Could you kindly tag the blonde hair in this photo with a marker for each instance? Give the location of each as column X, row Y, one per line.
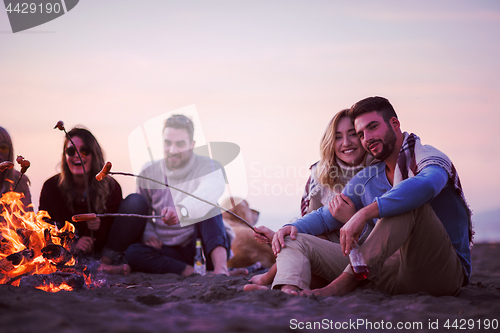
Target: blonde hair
column 328, row 169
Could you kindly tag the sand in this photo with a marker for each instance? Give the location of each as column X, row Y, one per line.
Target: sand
column 170, row 303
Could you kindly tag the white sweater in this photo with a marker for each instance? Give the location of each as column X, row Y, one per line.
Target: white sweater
column 201, row 176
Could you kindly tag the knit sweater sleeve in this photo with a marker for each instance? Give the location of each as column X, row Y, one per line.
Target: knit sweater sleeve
column 413, row 192
column 211, row 186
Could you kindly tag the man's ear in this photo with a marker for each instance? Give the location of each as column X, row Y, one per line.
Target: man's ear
column 395, row 123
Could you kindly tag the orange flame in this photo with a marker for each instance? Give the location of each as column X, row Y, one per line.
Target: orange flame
column 52, row 288
column 24, row 234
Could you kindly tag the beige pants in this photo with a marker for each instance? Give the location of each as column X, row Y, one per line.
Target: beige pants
column 406, row 254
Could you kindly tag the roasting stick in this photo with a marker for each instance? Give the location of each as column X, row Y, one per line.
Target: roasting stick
column 106, row 170
column 92, row 216
column 60, row 126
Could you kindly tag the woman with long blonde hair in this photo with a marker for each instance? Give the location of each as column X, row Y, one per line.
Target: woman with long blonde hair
column 341, row 157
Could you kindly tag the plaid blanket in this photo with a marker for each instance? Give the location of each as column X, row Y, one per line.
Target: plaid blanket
column 414, row 156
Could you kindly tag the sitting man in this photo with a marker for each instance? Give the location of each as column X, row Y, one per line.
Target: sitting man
column 169, row 243
column 413, row 197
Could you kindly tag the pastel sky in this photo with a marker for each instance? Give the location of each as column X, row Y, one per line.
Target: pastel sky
column 266, row 75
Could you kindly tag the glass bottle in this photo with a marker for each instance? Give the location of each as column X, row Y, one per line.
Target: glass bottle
column 200, row 266
column 358, row 263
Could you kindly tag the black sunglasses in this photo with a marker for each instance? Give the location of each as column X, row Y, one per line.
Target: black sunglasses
column 84, row 151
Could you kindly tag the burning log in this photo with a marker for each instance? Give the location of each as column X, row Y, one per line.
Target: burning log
column 5, row 266
column 56, row 254
column 17, row 258
column 29, row 246
column 65, row 281
column 4, row 244
column 24, row 235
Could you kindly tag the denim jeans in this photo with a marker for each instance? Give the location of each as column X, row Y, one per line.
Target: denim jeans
column 174, row 259
column 126, row 230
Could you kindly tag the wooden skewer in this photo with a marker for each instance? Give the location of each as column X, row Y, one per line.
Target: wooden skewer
column 92, row 216
column 106, row 170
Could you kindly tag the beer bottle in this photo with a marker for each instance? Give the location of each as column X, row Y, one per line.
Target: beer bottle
column 200, row 265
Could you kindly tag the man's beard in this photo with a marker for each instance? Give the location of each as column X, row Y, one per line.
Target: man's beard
column 388, row 144
column 183, row 159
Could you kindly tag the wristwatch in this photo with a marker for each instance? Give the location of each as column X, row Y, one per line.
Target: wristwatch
column 184, row 211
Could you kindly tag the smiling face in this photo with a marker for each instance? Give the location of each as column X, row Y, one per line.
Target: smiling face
column 347, row 145
column 72, row 159
column 377, row 137
column 177, row 146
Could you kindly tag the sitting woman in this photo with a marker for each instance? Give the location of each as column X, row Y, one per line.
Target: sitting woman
column 10, row 177
column 341, row 157
column 65, row 195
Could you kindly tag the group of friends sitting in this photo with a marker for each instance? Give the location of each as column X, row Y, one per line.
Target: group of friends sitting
column 375, row 188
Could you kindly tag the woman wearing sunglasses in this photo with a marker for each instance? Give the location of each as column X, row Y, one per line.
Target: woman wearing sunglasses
column 9, row 177
column 65, row 194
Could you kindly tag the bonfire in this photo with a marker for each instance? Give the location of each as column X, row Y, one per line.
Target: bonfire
column 36, row 253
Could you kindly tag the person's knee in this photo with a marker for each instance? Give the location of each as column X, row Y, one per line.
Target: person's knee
column 134, row 203
column 299, row 239
column 134, row 252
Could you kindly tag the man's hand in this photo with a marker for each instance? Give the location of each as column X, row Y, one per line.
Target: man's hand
column 84, row 244
column 342, row 208
column 351, row 231
column 94, row 224
column 279, row 237
column 154, row 242
column 268, row 233
column 170, row 216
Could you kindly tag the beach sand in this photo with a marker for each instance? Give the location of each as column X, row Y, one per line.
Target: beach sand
column 170, row 303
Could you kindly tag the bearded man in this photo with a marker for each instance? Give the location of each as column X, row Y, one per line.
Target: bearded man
column 169, row 243
column 414, row 202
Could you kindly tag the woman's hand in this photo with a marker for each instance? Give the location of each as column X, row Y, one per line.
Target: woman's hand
column 341, row 207
column 94, row 224
column 279, row 237
column 268, row 235
column 84, row 244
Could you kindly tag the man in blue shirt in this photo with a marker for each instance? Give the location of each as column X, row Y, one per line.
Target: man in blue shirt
column 413, row 201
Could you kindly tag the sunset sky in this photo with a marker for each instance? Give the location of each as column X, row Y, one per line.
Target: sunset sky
column 265, row 75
